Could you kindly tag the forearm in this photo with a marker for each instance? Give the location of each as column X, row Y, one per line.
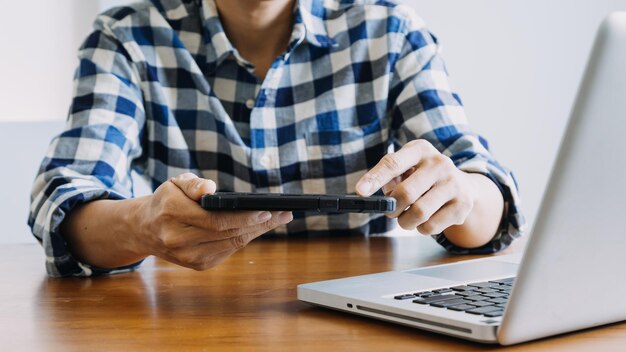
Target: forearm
column 483, row 221
column 102, row 233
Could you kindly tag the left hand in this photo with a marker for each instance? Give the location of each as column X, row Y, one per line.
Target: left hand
column 432, row 194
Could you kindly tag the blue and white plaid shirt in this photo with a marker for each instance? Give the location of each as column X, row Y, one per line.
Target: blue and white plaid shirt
column 161, row 90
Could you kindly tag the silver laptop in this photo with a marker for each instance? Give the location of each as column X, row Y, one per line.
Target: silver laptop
column 572, row 275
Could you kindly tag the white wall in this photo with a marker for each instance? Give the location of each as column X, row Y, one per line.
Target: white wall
column 39, row 39
column 516, row 64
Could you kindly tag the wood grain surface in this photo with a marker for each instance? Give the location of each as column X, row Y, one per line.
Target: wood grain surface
column 247, row 303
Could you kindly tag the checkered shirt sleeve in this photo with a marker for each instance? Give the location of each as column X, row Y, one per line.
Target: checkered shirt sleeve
column 427, row 108
column 92, row 158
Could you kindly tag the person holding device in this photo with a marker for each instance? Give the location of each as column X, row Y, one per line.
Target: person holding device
column 278, row 96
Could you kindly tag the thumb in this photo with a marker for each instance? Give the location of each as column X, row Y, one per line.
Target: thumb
column 193, row 186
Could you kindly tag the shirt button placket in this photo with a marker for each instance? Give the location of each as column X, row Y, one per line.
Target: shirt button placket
column 261, row 159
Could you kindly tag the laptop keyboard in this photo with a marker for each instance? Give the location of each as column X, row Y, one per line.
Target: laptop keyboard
column 481, row 298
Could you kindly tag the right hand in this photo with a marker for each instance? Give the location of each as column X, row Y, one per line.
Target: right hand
column 172, row 225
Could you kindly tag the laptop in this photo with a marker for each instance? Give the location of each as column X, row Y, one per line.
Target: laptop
column 572, row 274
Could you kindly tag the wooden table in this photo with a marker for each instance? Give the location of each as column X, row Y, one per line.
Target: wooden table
column 247, row 303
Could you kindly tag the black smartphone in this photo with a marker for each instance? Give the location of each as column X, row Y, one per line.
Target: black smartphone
column 322, row 203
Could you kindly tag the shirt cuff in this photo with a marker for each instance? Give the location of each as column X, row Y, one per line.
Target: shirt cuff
column 59, row 260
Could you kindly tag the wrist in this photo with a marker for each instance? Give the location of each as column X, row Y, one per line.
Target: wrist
column 131, row 228
column 481, row 225
column 476, row 184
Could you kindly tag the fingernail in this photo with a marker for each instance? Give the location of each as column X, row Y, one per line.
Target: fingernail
column 264, row 216
column 285, row 217
column 364, row 187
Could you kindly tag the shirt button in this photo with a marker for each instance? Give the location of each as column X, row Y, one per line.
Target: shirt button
column 265, row 161
column 250, row 103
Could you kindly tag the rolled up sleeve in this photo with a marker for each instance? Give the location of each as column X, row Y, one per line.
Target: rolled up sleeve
column 92, row 159
column 425, row 107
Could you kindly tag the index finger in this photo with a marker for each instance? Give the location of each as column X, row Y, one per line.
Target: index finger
column 191, row 213
column 389, row 167
column 226, row 220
